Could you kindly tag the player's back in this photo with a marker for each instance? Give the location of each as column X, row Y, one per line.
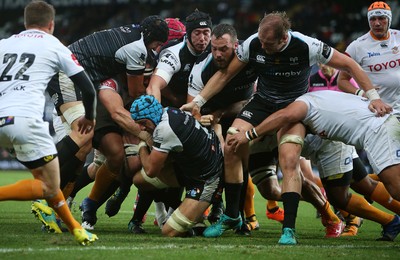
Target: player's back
column 29, row 60
column 97, row 51
column 340, row 116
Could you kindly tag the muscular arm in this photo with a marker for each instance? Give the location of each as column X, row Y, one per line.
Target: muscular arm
column 343, row 62
column 156, row 84
column 293, row 113
column 114, row 105
column 152, row 161
column 344, row 83
column 217, row 82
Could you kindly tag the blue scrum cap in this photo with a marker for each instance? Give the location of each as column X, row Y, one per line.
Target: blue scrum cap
column 146, row 107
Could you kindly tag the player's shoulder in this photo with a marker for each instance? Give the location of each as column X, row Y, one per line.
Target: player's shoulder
column 302, row 38
column 174, row 47
column 366, row 37
column 394, row 33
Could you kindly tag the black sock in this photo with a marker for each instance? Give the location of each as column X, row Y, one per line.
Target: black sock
column 172, row 197
column 69, row 170
column 81, row 181
column 243, row 194
column 66, row 149
column 125, row 183
column 290, row 205
column 232, row 198
column 109, row 192
column 143, row 204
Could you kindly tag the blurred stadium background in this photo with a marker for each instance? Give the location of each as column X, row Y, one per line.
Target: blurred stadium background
column 336, row 22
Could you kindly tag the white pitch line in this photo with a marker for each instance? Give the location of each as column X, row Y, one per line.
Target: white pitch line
column 173, row 246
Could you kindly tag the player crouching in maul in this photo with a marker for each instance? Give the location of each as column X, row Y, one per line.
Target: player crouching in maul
column 183, row 153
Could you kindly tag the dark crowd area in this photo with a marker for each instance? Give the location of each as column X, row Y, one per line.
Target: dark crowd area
column 335, row 22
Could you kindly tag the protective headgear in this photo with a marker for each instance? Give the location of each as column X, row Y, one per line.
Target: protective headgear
column 176, row 28
column 380, row 9
column 154, row 28
column 197, row 20
column 146, row 107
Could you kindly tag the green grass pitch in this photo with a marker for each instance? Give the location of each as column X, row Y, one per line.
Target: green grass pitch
column 21, row 237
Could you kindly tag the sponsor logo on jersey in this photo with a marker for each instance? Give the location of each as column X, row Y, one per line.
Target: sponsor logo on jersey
column 372, row 54
column 9, row 120
column 54, row 98
column 29, row 35
column 395, row 50
column 385, row 65
column 348, row 160
column 260, row 59
column 188, row 67
column 166, row 61
column 110, row 83
column 19, row 88
column 285, row 73
column 326, row 50
column 142, row 57
column 125, row 29
column 239, row 51
column 48, row 158
column 323, row 134
column 247, row 114
column 294, row 60
column 75, row 59
column 193, row 192
column 317, row 84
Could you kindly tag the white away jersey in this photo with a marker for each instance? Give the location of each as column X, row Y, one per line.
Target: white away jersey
column 340, row 116
column 381, row 61
column 28, row 60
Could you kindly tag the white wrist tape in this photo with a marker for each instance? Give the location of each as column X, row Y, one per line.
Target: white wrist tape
column 232, row 130
column 199, row 100
column 359, row 92
column 131, row 149
column 141, row 144
column 372, row 94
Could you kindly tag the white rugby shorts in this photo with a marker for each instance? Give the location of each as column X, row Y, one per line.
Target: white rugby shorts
column 29, row 137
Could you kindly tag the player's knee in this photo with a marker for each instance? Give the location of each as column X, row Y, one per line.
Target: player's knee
column 115, row 161
column 50, row 189
column 291, row 138
column 179, row 223
column 265, row 173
